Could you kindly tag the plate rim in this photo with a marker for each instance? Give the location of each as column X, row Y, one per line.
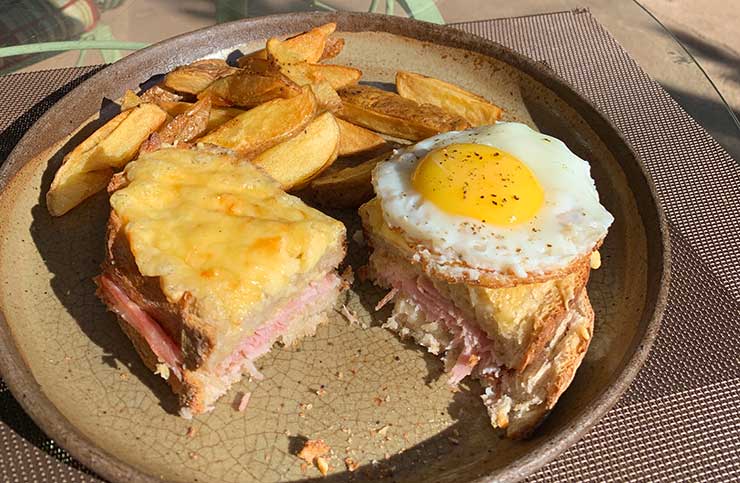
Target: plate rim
column 17, row 374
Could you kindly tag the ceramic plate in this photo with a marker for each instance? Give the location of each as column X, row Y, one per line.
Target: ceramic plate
column 370, row 396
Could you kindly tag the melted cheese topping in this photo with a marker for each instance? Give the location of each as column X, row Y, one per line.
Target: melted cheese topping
column 224, row 232
column 505, row 310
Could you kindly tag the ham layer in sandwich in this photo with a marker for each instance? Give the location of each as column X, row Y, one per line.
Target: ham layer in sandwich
column 209, row 264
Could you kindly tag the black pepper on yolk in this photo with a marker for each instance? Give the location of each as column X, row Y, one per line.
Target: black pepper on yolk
column 479, row 181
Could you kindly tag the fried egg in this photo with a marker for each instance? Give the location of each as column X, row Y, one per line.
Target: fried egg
column 503, row 198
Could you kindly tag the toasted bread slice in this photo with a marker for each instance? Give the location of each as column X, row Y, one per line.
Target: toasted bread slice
column 520, row 320
column 453, row 272
column 523, row 342
column 204, row 290
column 519, row 401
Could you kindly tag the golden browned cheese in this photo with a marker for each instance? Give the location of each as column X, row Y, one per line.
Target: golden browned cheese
column 372, row 216
column 509, row 307
column 222, row 231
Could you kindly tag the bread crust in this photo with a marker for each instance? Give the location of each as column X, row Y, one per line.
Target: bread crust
column 416, row 252
column 565, row 357
column 190, row 390
column 195, row 337
column 545, row 327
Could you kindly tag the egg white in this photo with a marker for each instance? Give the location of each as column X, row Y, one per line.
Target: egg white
column 569, row 224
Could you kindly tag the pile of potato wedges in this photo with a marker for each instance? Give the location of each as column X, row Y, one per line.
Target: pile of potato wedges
column 280, row 108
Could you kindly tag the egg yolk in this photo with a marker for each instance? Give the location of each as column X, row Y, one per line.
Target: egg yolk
column 479, row 181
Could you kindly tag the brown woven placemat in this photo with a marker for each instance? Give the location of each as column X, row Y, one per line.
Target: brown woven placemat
column 680, row 419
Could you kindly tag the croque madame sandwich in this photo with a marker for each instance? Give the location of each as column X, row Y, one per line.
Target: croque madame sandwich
column 485, row 239
column 209, row 263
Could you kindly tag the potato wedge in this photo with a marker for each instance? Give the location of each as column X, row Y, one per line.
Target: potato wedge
column 246, row 89
column 391, row 114
column 296, row 161
column 338, row 76
column 355, row 139
column 256, row 65
column 188, row 125
column 323, row 79
column 326, row 96
column 130, row 100
column 218, row 115
column 266, row 125
column 76, row 188
column 194, row 78
column 305, row 47
column 332, row 48
column 184, row 127
column 348, row 187
column 453, row 99
column 157, row 94
column 110, row 147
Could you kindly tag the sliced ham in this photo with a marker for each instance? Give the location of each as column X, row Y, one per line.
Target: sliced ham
column 243, row 357
column 243, row 401
column 161, row 344
column 471, row 344
column 264, row 336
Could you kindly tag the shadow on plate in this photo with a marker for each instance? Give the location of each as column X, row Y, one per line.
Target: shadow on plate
column 72, row 247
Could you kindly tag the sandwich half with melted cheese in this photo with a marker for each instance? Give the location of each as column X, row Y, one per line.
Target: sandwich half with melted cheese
column 209, row 263
column 485, row 239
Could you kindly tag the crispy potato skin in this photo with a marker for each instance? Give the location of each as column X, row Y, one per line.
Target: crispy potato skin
column 157, row 94
column 338, row 76
column 449, row 97
column 196, row 77
column 184, row 127
column 266, row 125
column 394, row 115
column 296, row 161
column 217, row 117
column 346, row 188
column 246, row 89
column 332, row 48
column 305, row 47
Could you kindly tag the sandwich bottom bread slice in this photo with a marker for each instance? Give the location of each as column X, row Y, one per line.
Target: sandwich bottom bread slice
column 209, row 263
column 523, row 343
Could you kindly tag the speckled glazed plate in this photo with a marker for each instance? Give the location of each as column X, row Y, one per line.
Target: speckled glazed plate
column 382, row 402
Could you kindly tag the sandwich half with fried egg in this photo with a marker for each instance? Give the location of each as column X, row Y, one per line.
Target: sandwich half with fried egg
column 209, row 263
column 485, row 239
